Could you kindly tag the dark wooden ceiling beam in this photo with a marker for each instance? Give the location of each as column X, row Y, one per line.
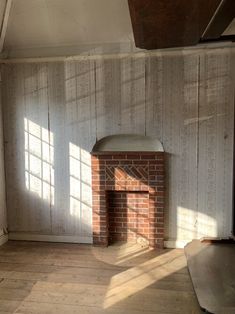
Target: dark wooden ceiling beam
column 228, row 38
column 170, row 23
column 221, row 20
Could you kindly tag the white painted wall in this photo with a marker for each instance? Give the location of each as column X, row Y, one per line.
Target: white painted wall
column 3, row 213
column 184, row 99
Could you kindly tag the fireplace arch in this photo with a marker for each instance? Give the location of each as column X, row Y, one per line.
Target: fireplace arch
column 128, row 142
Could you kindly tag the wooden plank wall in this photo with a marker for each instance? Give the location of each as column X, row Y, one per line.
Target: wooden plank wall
column 3, row 213
column 184, row 99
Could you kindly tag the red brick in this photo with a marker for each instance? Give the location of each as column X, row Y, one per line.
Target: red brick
column 147, row 156
column 140, row 162
column 119, row 156
column 133, row 157
column 106, row 157
column 112, row 162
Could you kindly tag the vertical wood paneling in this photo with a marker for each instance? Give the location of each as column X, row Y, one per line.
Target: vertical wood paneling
column 216, row 109
column 186, row 171
column 25, row 105
column 3, row 213
column 46, row 153
column 13, row 99
column 184, row 100
column 9, row 138
column 171, row 101
column 108, row 96
column 7, row 117
column 154, row 96
column 34, row 117
column 81, row 126
column 60, row 217
column 173, row 81
column 133, row 109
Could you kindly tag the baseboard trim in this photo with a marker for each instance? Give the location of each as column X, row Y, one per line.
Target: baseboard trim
column 21, row 236
column 3, row 239
column 176, row 244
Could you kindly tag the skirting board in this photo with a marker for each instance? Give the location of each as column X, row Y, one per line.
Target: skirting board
column 21, row 236
column 3, row 239
column 176, row 244
column 49, row 238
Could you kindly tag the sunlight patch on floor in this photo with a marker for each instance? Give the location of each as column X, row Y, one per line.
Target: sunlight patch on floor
column 135, row 279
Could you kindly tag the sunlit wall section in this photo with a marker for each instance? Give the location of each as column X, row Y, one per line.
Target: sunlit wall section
column 39, row 161
column 80, row 127
column 75, row 180
column 191, row 227
column 80, row 187
column 186, row 226
column 206, row 225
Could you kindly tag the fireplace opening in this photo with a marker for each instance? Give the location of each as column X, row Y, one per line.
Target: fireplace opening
column 128, row 216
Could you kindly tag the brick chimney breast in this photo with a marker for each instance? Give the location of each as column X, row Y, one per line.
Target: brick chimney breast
column 128, row 197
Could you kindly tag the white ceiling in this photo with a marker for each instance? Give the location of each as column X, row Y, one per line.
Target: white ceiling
column 67, row 27
column 57, row 23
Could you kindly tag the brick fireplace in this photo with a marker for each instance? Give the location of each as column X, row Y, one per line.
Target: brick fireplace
column 128, row 197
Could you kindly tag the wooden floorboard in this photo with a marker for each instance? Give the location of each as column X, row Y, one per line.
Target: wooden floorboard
column 72, row 278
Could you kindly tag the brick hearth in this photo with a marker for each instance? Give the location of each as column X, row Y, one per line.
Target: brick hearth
column 128, row 197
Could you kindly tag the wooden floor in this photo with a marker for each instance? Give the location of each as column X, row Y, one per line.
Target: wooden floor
column 70, row 278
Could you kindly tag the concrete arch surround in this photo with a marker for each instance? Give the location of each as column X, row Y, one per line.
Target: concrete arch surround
column 128, row 142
